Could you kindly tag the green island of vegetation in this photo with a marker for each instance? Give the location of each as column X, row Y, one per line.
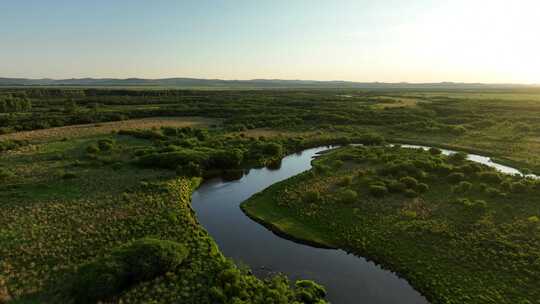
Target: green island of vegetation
column 459, row 231
column 95, row 187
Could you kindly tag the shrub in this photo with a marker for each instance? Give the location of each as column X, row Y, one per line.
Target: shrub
column 5, row 174
column 370, row 139
column 312, row 196
column 138, row 261
column 69, row 175
column 396, row 186
column 457, row 157
column 410, row 193
column 337, row 164
column 345, row 181
column 434, row 151
column 422, row 187
column 309, row 291
column 348, row 196
column 411, row 182
column 462, row 187
column 518, row 187
column 490, row 177
column 226, row 159
column 93, row 148
column 105, row 144
column 169, row 160
column 456, row 177
column 493, row 192
column 273, row 149
column 169, row 131
column 378, row 190
column 533, row 219
column 320, row 168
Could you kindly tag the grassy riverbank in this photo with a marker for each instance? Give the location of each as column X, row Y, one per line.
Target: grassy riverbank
column 458, row 231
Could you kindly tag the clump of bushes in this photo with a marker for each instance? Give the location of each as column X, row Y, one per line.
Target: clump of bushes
column 378, row 190
column 409, row 181
column 348, row 196
column 477, row 205
column 396, row 186
column 345, row 181
column 312, row 196
column 5, row 174
column 456, row 177
column 462, row 187
column 138, row 261
column 410, row 193
column 422, row 188
column 105, row 144
column 171, row 160
column 457, row 157
column 434, row 151
column 490, row 177
column 309, row 291
column 189, row 169
column 92, row 149
column 69, row 175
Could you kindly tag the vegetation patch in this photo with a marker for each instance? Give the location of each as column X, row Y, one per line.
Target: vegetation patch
column 453, row 228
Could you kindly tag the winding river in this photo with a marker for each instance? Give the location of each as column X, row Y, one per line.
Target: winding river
column 347, row 278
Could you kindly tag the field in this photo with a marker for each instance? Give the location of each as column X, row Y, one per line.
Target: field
column 84, row 130
column 88, row 174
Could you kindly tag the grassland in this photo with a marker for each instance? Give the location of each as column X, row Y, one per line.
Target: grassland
column 458, row 231
column 65, row 205
column 86, row 171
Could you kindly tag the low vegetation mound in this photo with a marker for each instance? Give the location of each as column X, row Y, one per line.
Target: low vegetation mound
column 130, row 264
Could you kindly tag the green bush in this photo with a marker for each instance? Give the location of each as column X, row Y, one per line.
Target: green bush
column 138, row 261
column 312, row 196
column 490, row 177
column 434, row 151
column 456, row 177
column 273, row 149
column 518, row 187
column 457, row 157
column 170, row 160
column 396, row 186
column 5, row 174
column 411, row 182
column 422, row 188
column 462, row 187
column 378, row 190
column 69, row 175
column 92, row 149
column 309, row 291
column 348, row 196
column 189, row 169
column 105, row 144
column 410, row 193
column 345, row 181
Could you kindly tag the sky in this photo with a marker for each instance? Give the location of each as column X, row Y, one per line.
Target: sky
column 490, row 41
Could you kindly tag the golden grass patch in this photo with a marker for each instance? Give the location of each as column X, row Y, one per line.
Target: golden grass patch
column 108, row 127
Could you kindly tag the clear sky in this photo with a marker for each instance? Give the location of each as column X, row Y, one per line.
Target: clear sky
column 358, row 40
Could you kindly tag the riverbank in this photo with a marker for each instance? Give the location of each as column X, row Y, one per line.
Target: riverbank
column 437, row 240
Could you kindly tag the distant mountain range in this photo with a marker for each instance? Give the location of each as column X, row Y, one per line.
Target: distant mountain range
column 244, row 84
